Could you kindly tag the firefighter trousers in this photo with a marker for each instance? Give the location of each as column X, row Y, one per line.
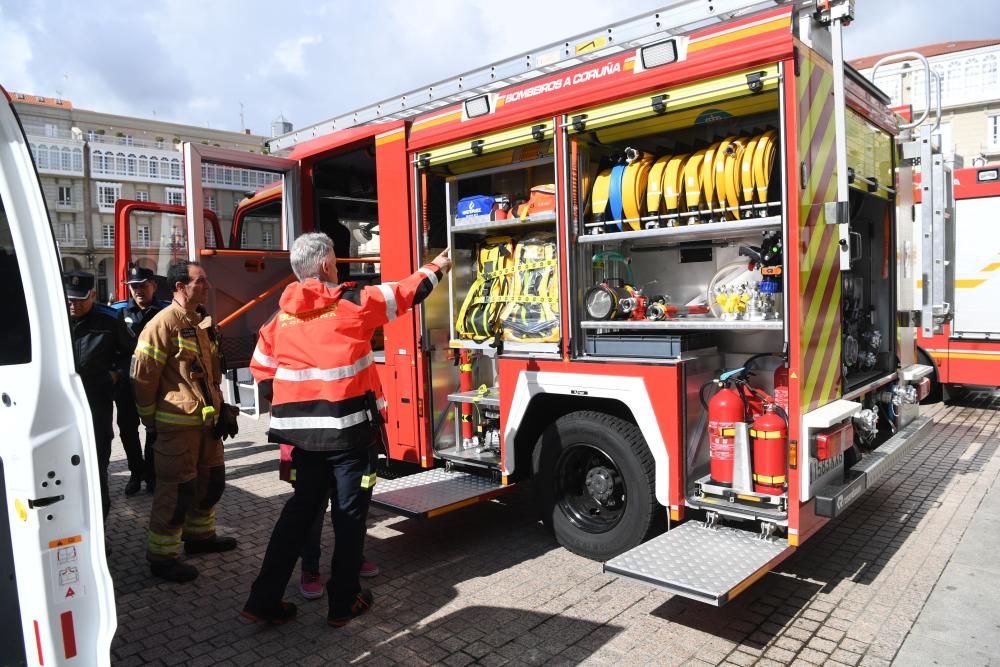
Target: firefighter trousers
column 346, row 477
column 190, row 479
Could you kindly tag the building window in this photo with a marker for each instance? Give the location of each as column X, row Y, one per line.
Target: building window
column 66, row 156
column 175, row 169
column 154, row 168
column 65, row 195
column 993, row 131
column 990, row 70
column 107, row 195
column 120, row 164
column 953, row 81
column 51, row 130
column 108, row 236
column 209, row 236
column 175, row 196
column 43, row 157
column 210, row 203
column 91, row 136
column 126, row 140
column 243, row 237
column 972, row 76
column 159, row 142
column 77, row 159
column 267, row 238
column 142, row 236
column 141, row 195
column 143, row 166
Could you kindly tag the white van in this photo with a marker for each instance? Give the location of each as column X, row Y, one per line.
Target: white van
column 52, row 558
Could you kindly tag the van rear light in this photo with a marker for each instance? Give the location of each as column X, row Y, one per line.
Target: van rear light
column 834, row 441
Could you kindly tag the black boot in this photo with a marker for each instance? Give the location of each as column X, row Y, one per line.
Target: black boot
column 133, row 485
column 212, row 545
column 173, row 570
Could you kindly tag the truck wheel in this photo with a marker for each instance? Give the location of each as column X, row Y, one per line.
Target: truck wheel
column 593, row 476
column 936, row 394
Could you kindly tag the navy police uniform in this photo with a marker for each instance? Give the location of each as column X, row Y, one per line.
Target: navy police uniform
column 134, row 319
column 100, row 350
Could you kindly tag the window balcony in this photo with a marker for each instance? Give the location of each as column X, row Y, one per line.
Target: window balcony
column 71, row 241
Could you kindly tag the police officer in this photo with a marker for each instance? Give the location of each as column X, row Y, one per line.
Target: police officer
column 134, row 314
column 100, row 350
column 176, row 372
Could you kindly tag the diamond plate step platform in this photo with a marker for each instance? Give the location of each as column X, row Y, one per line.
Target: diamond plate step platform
column 434, row 492
column 711, row 565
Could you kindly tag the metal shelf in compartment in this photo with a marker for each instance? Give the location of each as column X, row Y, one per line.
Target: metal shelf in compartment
column 694, row 232
column 487, row 226
column 491, row 399
column 698, row 322
column 509, row 347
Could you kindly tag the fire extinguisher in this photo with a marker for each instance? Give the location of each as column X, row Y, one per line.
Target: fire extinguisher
column 769, row 434
column 725, row 410
column 781, row 387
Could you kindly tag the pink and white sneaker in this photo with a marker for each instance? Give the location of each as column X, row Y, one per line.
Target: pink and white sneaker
column 369, row 569
column 310, row 585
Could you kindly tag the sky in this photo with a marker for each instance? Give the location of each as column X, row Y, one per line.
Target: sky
column 197, row 61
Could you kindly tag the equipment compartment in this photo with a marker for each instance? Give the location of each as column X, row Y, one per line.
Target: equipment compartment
column 678, row 215
column 492, row 200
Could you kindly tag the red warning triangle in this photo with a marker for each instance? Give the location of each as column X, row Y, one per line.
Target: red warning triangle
column 70, row 592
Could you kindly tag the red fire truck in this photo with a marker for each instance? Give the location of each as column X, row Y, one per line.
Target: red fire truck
column 967, row 350
column 671, row 306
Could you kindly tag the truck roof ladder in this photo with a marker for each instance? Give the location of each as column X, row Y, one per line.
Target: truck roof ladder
column 678, row 18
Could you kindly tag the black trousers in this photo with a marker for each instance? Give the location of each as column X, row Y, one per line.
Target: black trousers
column 341, row 476
column 128, row 430
column 101, row 409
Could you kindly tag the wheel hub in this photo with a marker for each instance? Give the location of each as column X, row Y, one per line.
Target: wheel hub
column 600, row 483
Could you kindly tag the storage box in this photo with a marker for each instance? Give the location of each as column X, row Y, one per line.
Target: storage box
column 654, row 346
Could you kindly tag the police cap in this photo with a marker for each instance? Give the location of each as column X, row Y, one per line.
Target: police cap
column 78, row 284
column 138, row 274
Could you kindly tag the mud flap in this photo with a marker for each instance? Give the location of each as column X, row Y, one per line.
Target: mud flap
column 711, row 565
column 434, row 492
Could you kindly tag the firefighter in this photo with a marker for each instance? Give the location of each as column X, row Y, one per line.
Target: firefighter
column 135, row 314
column 176, row 372
column 100, row 348
column 327, row 401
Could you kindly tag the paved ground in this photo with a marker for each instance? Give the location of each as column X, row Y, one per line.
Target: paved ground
column 488, row 585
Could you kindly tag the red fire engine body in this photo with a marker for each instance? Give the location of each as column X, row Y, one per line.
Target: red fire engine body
column 967, row 351
column 659, row 215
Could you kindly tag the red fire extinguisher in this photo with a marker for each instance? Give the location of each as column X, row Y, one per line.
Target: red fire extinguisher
column 770, row 437
column 725, row 410
column 781, row 387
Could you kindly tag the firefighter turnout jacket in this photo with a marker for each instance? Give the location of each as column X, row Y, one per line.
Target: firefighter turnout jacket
column 176, row 370
column 317, row 353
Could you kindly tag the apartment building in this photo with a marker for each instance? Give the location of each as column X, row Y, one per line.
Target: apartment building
column 87, row 160
column 970, row 97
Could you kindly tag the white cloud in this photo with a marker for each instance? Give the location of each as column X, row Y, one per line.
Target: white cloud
column 288, row 56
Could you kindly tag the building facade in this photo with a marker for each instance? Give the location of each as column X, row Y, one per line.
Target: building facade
column 87, row 160
column 970, row 96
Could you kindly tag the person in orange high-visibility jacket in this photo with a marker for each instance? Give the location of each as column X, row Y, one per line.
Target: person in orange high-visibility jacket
column 176, row 372
column 327, row 401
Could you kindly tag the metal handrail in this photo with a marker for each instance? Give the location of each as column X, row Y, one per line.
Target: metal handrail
column 929, row 75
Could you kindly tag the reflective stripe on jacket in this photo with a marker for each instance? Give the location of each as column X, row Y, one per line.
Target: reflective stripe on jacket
column 176, row 359
column 316, row 352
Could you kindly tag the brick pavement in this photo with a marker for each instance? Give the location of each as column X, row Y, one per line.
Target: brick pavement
column 488, row 585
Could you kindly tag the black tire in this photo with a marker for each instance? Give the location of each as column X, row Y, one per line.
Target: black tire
column 593, row 477
column 937, row 393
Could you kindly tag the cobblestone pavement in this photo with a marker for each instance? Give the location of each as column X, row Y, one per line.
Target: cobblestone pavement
column 488, row 585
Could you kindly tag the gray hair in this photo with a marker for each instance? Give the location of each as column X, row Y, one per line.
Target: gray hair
column 308, row 253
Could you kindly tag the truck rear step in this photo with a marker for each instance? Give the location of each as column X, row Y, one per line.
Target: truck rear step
column 711, row 565
column 433, row 492
column 834, row 499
